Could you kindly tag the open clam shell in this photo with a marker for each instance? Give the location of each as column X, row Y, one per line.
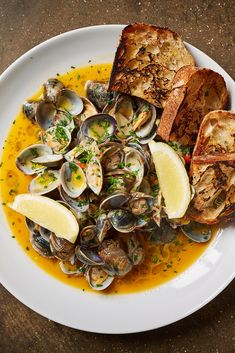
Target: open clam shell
column 134, row 162
column 141, row 204
column 72, row 270
column 145, row 118
column 51, row 88
column 124, row 113
column 79, row 204
column 102, row 226
column 68, row 100
column 45, row 182
column 58, row 138
column 73, row 179
column 40, row 245
column 88, row 237
column 122, row 220
column 49, row 160
column 98, row 278
column 29, row 109
column 163, row 234
column 94, row 176
column 197, row 232
column 115, row 201
column 88, row 257
column 135, row 249
column 61, row 248
column 97, row 93
column 45, row 114
column 88, row 110
column 99, row 127
column 24, row 160
column 115, row 258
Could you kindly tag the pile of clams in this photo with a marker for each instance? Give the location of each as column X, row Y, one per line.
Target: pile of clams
column 93, row 158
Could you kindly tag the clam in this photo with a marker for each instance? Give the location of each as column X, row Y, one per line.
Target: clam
column 135, row 249
column 49, row 160
column 124, row 113
column 31, row 225
column 122, row 220
column 114, row 201
column 145, row 118
column 97, row 278
column 79, row 204
column 88, row 237
column 45, row 182
column 72, row 270
column 88, row 257
column 64, row 118
column 51, row 88
column 199, row 233
column 149, row 137
column 163, row 234
column 36, row 228
column 88, row 110
column 69, row 101
column 29, row 109
column 61, row 248
column 135, row 164
column 113, row 157
column 45, row 233
column 58, row 138
column 97, row 93
column 94, row 176
column 73, row 179
column 140, row 203
column 45, row 114
column 119, row 181
column 73, row 153
column 40, row 245
column 24, row 161
column 115, row 258
column 102, row 226
column 99, row 127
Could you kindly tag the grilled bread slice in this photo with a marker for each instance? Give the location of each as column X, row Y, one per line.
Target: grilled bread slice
column 212, row 169
column 196, row 91
column 146, row 61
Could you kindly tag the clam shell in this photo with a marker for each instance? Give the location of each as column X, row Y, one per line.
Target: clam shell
column 69, row 101
column 73, row 179
column 45, row 182
column 24, row 160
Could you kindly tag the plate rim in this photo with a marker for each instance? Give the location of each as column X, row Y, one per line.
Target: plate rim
column 223, row 285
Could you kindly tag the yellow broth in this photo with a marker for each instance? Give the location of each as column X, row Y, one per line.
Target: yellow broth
column 162, row 262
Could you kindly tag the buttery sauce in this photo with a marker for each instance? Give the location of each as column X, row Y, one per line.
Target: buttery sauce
column 162, row 262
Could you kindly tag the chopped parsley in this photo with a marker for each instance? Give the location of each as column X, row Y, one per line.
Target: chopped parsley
column 73, row 167
column 34, row 152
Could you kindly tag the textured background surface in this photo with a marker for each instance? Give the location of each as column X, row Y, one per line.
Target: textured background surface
column 209, row 25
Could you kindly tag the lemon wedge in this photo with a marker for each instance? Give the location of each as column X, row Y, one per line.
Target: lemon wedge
column 49, row 214
column 172, row 177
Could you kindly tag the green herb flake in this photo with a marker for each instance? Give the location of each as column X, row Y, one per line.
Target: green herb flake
column 34, row 152
column 78, row 77
column 60, row 134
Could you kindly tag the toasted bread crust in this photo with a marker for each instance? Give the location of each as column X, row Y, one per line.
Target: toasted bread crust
column 146, row 61
column 212, row 170
column 195, row 92
column 216, row 134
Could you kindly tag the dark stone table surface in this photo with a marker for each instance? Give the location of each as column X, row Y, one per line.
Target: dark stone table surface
column 210, row 26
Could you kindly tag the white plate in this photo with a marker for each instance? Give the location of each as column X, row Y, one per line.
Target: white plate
column 60, row 302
